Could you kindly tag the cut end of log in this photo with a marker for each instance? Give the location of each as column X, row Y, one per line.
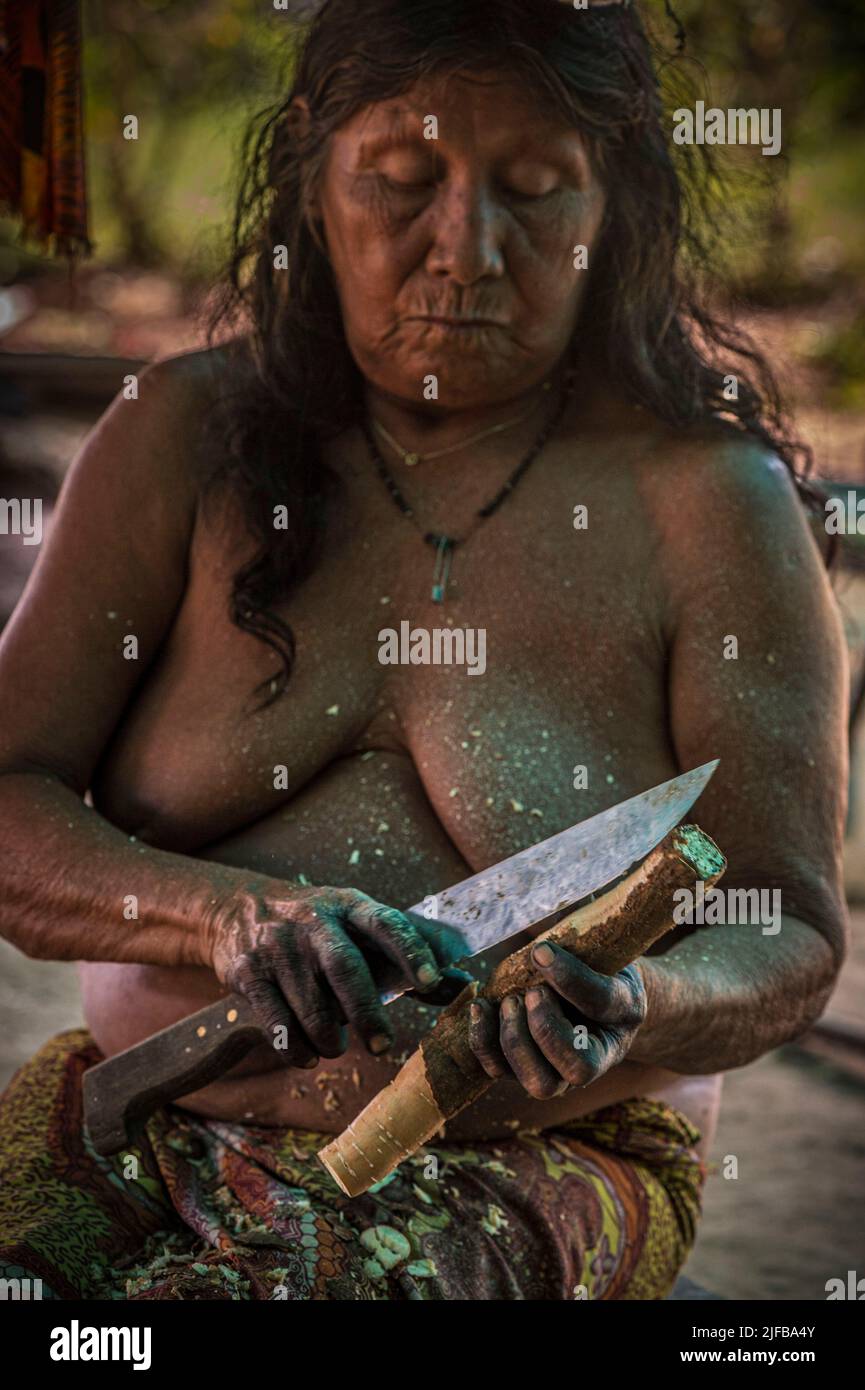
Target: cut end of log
column 394, row 1125
column 700, row 851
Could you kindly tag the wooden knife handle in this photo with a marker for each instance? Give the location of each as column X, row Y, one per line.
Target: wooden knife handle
column 121, row 1093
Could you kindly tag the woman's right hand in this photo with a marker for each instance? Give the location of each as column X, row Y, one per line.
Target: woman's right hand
column 302, row 957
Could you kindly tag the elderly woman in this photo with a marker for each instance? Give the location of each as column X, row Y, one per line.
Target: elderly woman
column 471, row 387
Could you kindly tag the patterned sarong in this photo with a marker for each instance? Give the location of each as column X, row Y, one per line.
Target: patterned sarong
column 604, row 1207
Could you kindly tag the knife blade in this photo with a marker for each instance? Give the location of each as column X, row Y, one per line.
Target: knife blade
column 509, row 897
column 488, row 908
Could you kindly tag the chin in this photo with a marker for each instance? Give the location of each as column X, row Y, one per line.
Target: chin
column 464, row 379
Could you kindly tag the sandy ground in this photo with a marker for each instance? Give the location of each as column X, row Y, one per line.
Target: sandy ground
column 795, row 1215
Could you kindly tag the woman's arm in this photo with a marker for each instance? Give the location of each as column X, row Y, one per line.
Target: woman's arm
column 726, row 995
column 758, row 679
column 74, row 887
column 112, row 567
column 772, row 704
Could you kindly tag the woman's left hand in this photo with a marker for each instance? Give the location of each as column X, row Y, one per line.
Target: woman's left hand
column 566, row 1032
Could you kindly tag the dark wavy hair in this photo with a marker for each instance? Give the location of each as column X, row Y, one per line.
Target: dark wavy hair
column 655, row 336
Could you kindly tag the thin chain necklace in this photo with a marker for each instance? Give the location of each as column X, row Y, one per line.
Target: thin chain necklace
column 444, row 546
column 410, row 457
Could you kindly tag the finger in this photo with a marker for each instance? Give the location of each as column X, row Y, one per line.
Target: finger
column 395, row 936
column 317, row 1011
column 484, row 1038
column 350, row 978
column 529, row 1065
column 557, row 1038
column 606, row 1047
column 617, row 999
column 446, row 943
column 274, row 1016
column 580, row 1054
column 451, row 984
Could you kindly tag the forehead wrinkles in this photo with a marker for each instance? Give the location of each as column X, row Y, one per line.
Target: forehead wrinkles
column 475, row 112
column 469, row 129
column 498, row 107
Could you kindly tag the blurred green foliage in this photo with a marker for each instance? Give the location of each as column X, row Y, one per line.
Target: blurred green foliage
column 808, row 59
column 193, row 71
column 840, row 356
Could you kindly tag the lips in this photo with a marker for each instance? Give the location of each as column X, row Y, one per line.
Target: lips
column 452, row 321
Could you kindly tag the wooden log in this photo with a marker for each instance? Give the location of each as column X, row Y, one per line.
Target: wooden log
column 443, row 1076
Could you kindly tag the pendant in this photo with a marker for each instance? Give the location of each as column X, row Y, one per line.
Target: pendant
column 444, row 550
column 411, row 459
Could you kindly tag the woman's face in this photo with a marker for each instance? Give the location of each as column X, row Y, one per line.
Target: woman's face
column 454, row 256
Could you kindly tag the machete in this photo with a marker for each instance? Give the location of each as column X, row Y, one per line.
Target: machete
column 486, row 909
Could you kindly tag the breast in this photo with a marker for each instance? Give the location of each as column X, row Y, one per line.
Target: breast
column 195, row 757
column 568, row 715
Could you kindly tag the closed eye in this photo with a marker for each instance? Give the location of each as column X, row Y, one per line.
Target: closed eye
column 398, row 187
column 517, row 195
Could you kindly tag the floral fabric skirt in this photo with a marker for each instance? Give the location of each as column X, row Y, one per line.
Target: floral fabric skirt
column 604, row 1207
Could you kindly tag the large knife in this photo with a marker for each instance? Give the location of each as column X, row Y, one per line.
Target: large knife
column 487, row 909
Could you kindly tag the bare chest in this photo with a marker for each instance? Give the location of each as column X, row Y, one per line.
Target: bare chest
column 530, row 698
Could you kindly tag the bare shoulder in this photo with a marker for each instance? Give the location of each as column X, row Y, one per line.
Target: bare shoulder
column 185, row 387
column 202, row 369
column 727, row 508
column 141, row 468
column 114, row 564
column 698, row 481
column 757, row 671
column 163, row 430
column 719, row 481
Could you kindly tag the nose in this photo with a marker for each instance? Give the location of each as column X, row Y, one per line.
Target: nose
column 468, row 236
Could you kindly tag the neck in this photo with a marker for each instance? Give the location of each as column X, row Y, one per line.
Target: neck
column 425, row 426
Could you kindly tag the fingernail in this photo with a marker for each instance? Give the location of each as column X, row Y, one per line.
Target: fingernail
column 510, row 1006
column 308, row 1066
column 543, row 955
column 475, row 1013
column 534, row 997
column 427, row 975
column 379, row 1043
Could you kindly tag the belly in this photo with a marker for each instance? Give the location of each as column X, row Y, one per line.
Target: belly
column 371, row 810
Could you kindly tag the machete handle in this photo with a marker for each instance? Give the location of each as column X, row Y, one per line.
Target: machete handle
column 122, row 1092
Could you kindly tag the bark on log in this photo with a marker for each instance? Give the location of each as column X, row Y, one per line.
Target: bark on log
column 443, row 1076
